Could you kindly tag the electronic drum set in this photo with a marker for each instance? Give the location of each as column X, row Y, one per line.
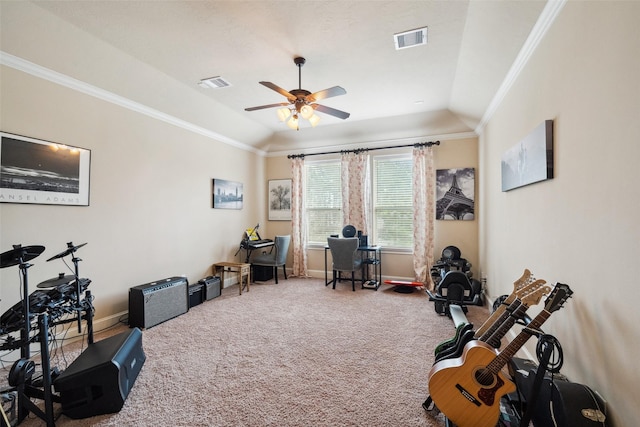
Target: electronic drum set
column 57, row 301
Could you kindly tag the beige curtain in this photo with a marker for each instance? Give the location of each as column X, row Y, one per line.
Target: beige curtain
column 298, row 226
column 355, row 190
column 424, row 183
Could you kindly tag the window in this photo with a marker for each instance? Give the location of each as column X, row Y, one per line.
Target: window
column 393, row 201
column 323, row 199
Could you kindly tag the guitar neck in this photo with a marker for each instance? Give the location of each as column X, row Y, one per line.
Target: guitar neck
column 497, row 316
column 510, row 350
column 491, row 321
column 500, row 328
column 517, row 286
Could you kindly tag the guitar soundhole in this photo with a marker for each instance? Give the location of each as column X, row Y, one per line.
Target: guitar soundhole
column 484, row 377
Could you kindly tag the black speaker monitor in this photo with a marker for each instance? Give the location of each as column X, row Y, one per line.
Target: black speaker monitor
column 100, row 379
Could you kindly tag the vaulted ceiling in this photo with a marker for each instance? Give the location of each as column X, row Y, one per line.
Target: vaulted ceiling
column 442, row 87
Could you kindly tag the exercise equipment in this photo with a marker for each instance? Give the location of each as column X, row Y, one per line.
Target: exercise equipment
column 402, row 286
column 453, row 283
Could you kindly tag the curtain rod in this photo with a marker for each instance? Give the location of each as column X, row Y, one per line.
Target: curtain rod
column 360, row 150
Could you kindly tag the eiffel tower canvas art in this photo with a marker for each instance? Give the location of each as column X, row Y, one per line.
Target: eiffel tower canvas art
column 455, row 194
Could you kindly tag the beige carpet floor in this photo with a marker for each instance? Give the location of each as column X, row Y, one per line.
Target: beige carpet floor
column 292, row 354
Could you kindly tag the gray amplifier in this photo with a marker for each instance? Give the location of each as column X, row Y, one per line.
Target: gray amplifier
column 212, row 287
column 158, row 301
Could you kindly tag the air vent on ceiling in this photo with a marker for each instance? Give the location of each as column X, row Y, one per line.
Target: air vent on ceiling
column 410, row 38
column 214, row 82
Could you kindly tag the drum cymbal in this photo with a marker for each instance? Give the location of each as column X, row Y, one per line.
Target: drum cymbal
column 19, row 254
column 70, row 249
column 57, row 281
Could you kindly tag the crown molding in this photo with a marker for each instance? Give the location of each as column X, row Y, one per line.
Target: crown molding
column 544, row 22
column 41, row 72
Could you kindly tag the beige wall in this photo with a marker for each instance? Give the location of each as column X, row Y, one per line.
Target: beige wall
column 152, row 163
column 581, row 228
column 150, row 212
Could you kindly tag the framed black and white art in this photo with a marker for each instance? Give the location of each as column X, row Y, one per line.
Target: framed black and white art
column 279, row 200
column 34, row 171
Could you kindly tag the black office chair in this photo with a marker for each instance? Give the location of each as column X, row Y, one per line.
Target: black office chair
column 345, row 257
column 277, row 257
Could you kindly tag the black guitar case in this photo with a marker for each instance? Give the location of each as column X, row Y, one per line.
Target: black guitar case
column 570, row 405
column 559, row 403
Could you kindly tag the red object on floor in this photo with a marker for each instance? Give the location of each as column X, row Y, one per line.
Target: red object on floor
column 403, row 283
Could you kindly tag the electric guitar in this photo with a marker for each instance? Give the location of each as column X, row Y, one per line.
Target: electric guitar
column 468, row 389
column 463, row 328
column 519, row 285
column 527, row 296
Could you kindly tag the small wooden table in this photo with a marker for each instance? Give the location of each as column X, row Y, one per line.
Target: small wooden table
column 242, row 269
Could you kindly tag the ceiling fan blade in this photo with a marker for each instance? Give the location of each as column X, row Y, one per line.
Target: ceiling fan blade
column 331, row 111
column 278, row 89
column 262, row 107
column 327, row 93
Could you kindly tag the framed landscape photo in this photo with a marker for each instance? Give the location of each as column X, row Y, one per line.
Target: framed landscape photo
column 279, row 200
column 34, row 171
column 227, row 194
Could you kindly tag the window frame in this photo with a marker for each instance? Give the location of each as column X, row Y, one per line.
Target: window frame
column 336, row 161
column 372, row 197
column 404, row 156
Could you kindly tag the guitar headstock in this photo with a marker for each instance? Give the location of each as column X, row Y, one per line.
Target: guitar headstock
column 529, row 287
column 523, row 280
column 534, row 292
column 559, row 295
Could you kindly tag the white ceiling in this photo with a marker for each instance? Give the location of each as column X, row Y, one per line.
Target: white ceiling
column 450, row 81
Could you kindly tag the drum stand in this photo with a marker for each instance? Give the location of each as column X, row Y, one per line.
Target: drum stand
column 26, row 390
column 25, row 332
column 20, row 375
column 71, row 249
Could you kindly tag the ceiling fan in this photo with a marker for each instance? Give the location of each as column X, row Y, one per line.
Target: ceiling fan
column 301, row 102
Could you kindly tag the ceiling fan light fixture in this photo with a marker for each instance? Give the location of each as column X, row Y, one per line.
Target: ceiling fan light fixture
column 306, row 111
column 301, row 102
column 293, row 122
column 314, row 120
column 283, row 114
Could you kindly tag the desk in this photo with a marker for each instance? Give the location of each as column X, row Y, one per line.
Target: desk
column 243, row 271
column 371, row 255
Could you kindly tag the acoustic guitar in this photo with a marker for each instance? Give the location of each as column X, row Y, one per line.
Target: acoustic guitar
column 468, row 389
